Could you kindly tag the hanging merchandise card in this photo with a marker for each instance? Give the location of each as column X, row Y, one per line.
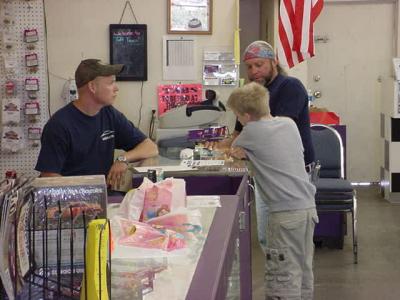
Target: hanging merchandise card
column 12, row 139
column 8, row 41
column 11, row 111
column 31, row 84
column 7, row 16
column 34, row 133
column 10, row 88
column 31, row 36
column 32, row 108
column 10, row 63
column 31, row 60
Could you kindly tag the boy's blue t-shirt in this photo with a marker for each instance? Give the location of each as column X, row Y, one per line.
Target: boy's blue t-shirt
column 74, row 143
column 288, row 98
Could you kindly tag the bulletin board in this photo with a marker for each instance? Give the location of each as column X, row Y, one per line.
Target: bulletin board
column 128, row 46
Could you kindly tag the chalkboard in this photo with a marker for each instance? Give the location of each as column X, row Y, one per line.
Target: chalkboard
column 128, row 46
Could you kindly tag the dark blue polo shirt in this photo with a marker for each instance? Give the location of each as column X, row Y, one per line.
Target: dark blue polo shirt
column 288, row 97
column 74, row 143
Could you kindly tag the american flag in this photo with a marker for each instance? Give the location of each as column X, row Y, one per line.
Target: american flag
column 296, row 30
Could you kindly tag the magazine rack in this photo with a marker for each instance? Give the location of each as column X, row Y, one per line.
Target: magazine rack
column 48, row 242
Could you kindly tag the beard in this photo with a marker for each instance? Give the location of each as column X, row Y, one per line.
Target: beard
column 267, row 77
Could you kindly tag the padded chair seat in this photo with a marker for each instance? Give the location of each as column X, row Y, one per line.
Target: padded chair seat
column 334, row 185
column 334, row 207
column 336, row 197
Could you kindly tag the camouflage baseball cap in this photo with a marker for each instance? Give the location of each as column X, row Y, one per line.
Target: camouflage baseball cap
column 91, row 68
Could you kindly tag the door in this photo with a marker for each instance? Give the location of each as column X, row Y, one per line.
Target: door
column 353, row 54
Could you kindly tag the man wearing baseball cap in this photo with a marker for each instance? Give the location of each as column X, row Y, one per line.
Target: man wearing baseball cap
column 80, row 138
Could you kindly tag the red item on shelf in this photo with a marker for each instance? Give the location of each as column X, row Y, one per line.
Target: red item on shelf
column 324, row 117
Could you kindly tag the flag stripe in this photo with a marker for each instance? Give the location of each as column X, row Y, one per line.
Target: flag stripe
column 296, row 30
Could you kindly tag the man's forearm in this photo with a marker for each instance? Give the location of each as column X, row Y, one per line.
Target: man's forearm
column 49, row 174
column 145, row 149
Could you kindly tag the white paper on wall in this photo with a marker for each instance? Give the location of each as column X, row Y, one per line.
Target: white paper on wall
column 179, row 61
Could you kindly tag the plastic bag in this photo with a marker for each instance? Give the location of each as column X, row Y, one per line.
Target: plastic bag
column 153, row 199
column 138, row 234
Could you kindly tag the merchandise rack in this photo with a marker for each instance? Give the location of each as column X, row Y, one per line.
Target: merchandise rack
column 46, row 280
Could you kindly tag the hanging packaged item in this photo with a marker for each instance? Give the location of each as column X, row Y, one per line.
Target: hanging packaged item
column 31, row 84
column 31, row 36
column 32, row 108
column 7, row 16
column 11, row 111
column 31, row 60
column 34, row 133
column 10, row 63
column 12, row 139
column 8, row 41
column 10, row 88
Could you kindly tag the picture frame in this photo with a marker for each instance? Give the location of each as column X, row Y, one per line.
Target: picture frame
column 189, row 17
column 128, row 46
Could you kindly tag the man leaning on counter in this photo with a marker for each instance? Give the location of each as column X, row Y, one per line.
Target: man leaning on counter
column 80, row 138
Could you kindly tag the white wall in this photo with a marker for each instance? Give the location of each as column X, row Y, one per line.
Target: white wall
column 78, row 29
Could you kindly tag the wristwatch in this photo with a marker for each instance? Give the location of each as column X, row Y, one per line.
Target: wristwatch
column 122, row 158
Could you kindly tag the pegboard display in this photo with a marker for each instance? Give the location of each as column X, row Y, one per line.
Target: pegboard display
column 23, row 63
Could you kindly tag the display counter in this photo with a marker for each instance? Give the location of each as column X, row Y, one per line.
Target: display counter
column 216, row 272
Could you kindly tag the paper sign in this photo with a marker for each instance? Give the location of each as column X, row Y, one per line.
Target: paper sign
column 175, row 95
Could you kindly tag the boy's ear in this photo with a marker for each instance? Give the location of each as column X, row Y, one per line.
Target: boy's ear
column 247, row 117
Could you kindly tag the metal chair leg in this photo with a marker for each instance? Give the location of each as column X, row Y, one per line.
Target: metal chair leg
column 354, row 218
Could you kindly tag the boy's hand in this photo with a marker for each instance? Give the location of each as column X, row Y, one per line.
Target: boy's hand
column 238, row 152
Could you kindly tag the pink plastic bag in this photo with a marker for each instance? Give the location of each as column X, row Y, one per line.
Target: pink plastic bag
column 138, row 234
column 153, row 199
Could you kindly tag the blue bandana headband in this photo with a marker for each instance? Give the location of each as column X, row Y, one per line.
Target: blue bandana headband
column 258, row 49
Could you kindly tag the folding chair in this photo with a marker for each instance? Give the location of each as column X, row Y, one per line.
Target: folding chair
column 334, row 193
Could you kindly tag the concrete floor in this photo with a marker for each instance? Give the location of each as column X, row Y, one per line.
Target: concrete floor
column 377, row 274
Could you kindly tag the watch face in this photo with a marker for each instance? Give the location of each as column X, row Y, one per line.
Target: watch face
column 121, row 158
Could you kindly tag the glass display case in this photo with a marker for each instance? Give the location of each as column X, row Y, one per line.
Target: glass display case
column 219, row 268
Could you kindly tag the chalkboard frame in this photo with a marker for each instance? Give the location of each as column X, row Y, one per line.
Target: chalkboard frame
column 132, row 76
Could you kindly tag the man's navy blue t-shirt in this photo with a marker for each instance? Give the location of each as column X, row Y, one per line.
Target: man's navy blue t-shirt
column 74, row 143
column 288, row 98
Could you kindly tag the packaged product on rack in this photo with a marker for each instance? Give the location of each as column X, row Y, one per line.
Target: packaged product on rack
column 10, row 63
column 8, row 41
column 12, row 139
column 11, row 111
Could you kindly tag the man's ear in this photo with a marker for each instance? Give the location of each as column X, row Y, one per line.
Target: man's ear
column 92, row 86
column 275, row 62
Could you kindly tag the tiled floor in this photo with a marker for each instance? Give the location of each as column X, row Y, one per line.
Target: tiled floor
column 377, row 274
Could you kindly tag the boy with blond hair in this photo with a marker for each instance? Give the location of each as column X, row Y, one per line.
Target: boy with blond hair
column 274, row 149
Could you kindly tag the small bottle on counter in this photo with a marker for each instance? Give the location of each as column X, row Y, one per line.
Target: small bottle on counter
column 152, row 175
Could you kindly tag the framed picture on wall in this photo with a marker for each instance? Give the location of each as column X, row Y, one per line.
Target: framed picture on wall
column 190, row 16
column 128, row 46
